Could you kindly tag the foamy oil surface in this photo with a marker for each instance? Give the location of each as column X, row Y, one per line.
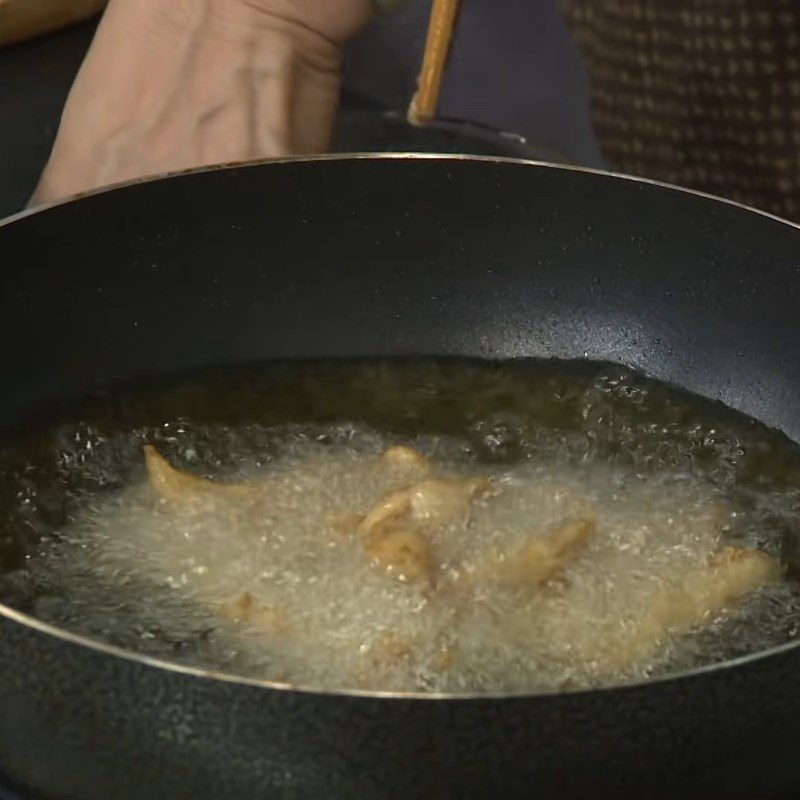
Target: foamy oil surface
column 667, row 480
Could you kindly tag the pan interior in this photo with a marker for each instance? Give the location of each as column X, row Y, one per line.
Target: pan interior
column 603, row 427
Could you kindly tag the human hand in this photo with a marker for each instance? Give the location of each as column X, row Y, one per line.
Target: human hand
column 174, row 84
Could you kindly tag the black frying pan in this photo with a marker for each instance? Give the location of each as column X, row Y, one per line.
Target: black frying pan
column 392, row 256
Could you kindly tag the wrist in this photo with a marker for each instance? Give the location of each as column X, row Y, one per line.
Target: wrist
column 334, row 21
column 233, row 23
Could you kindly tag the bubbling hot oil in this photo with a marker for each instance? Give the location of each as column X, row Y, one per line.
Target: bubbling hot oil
column 661, row 485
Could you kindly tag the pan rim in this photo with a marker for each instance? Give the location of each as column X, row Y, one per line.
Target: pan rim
column 131, row 656
column 385, row 156
column 103, row 648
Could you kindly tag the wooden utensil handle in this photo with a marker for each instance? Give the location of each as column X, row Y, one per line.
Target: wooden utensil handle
column 437, row 47
column 25, row 19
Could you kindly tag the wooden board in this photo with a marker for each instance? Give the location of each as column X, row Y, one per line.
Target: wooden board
column 26, row 19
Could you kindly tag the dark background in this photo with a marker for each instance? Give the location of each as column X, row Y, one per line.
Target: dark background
column 34, row 81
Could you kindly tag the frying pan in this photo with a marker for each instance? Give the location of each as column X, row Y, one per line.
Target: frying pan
column 387, row 256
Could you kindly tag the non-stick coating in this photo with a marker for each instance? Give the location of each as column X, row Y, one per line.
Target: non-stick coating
column 387, row 257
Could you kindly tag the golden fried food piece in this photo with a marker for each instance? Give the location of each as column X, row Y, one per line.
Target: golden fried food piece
column 731, row 575
column 387, row 654
column 433, row 502
column 179, row 487
column 402, row 552
column 390, row 649
column 401, row 460
column 443, row 659
column 538, row 559
column 389, row 508
column 244, row 609
column 442, row 501
column 345, row 523
column 407, row 459
column 393, row 528
column 392, row 652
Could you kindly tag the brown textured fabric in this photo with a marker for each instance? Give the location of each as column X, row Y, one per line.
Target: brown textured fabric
column 702, row 93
